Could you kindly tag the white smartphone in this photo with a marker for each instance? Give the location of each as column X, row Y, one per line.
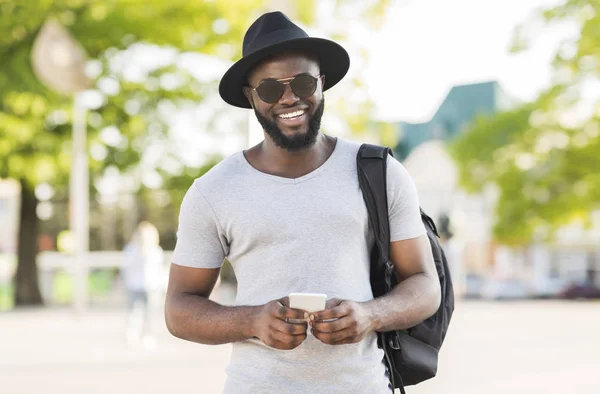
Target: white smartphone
column 309, row 302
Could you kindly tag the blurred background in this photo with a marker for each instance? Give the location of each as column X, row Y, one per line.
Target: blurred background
column 109, row 110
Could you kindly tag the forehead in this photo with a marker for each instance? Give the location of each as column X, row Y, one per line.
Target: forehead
column 284, row 65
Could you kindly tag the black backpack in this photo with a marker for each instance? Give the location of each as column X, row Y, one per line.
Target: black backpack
column 412, row 354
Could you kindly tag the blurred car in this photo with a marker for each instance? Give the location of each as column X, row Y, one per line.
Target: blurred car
column 581, row 291
column 473, row 286
column 505, row 289
column 548, row 287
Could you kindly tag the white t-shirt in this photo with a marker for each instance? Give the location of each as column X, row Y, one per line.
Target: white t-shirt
column 281, row 235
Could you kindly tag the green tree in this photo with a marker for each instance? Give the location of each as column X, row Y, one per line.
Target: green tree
column 544, row 156
column 35, row 122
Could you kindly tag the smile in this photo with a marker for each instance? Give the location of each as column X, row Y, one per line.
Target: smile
column 292, row 115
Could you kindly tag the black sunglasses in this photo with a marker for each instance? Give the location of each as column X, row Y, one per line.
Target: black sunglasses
column 271, row 90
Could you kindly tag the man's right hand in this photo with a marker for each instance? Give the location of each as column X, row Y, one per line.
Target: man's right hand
column 272, row 326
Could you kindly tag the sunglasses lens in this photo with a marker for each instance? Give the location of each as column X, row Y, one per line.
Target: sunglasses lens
column 270, row 91
column 304, row 85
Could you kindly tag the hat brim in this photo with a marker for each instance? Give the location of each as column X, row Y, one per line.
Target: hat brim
column 333, row 58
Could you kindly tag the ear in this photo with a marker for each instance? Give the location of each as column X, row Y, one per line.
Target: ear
column 248, row 94
column 322, row 81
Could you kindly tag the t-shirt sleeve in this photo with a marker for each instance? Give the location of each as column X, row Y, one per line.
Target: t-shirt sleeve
column 403, row 203
column 200, row 240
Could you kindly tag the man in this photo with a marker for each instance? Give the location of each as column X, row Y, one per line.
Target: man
column 290, row 217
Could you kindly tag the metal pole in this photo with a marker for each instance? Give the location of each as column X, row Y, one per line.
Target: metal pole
column 79, row 197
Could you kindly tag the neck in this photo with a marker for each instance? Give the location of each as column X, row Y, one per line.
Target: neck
column 269, row 158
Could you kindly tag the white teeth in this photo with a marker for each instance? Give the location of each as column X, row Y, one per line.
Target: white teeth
column 292, row 115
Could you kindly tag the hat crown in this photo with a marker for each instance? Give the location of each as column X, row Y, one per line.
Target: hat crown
column 273, row 33
column 271, row 28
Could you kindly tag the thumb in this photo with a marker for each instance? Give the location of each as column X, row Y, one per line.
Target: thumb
column 285, row 301
column 332, row 303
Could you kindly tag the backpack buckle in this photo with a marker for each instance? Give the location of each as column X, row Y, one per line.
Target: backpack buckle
column 390, row 272
column 389, row 268
column 394, row 342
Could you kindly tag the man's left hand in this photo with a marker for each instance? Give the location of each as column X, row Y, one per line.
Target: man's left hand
column 352, row 323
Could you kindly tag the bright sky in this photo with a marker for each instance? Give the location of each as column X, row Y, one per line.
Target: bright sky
column 427, row 46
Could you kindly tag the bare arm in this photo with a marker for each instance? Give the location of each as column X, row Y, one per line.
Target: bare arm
column 417, row 295
column 413, row 300
column 190, row 315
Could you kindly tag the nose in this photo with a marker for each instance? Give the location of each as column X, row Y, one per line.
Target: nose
column 288, row 97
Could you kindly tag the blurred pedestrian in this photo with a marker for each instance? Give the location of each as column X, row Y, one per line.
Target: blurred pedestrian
column 143, row 276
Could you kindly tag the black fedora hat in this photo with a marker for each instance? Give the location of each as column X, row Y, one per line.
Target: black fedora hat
column 273, row 33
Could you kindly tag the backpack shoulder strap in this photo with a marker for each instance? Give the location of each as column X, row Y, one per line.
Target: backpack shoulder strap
column 371, row 164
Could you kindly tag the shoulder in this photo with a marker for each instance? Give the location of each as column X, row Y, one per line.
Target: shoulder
column 345, row 153
column 223, row 179
column 396, row 172
column 348, row 146
column 209, row 187
column 401, row 187
column 221, row 172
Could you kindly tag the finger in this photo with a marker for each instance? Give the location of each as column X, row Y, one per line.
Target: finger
column 275, row 343
column 285, row 301
column 289, row 328
column 346, row 341
column 336, row 312
column 287, row 338
column 284, row 312
column 333, row 338
column 333, row 326
column 288, row 341
column 332, row 303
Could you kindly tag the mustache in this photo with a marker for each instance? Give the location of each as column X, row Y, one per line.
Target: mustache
column 298, row 105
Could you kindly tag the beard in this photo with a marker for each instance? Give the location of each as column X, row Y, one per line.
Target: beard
column 298, row 141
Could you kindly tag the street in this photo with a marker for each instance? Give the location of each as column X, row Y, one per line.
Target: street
column 548, row 347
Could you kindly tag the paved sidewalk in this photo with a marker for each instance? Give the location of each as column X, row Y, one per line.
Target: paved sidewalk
column 492, row 348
